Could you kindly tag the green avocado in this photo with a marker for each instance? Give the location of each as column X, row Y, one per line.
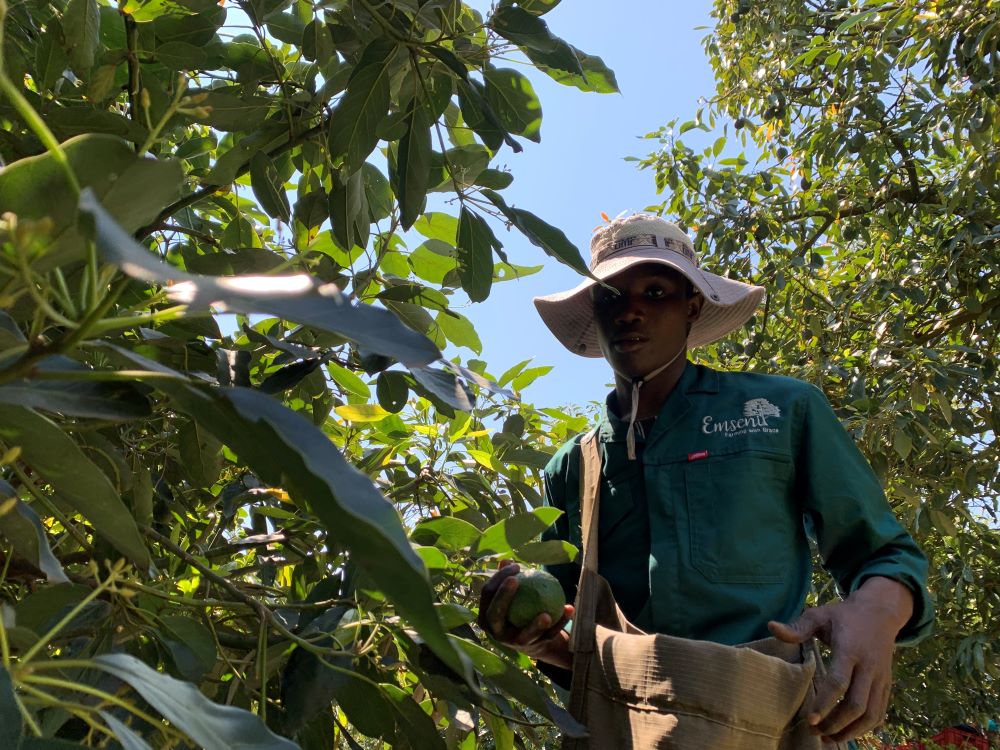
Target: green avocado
column 537, row 592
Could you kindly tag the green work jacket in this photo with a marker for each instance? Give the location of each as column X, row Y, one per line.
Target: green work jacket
column 706, row 534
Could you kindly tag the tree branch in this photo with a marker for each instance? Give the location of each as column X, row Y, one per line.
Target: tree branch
column 206, row 190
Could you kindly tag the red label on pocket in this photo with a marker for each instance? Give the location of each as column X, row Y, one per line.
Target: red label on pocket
column 697, row 455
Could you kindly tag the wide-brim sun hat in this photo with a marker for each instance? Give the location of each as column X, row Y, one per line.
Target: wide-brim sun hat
column 630, row 241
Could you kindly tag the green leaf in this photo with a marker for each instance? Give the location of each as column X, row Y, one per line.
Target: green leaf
column 512, row 681
column 26, row 533
column 147, row 10
column 233, row 110
column 53, row 455
column 572, row 67
column 136, row 190
column 349, row 214
column 438, row 226
column 362, row 412
column 445, row 386
column 459, row 166
column 512, row 97
column 454, row 615
column 476, row 243
column 378, row 194
column 943, row 523
column 479, row 115
column 413, row 164
column 142, row 494
column 433, row 558
column 902, row 443
column 549, row 552
column 529, row 376
column 854, row 20
column 82, row 27
column 289, row 376
column 201, row 453
column 392, row 390
column 459, row 330
column 494, row 179
column 191, row 21
column 268, row 187
column 41, row 609
column 51, row 60
column 524, row 29
column 182, row 704
column 354, row 123
column 504, row 536
column 348, row 380
column 541, row 234
column 191, row 644
column 433, row 260
column 11, row 727
column 308, row 685
column 128, row 738
column 448, row 532
column 181, row 56
column 415, row 725
column 77, row 398
column 297, row 298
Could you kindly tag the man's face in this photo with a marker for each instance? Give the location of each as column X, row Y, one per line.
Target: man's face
column 646, row 322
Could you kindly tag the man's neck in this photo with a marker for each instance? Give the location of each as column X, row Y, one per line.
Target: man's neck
column 653, row 393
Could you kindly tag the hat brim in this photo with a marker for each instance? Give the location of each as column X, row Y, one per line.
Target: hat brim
column 728, row 303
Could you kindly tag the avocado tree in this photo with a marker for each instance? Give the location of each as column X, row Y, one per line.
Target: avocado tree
column 854, row 173
column 265, row 530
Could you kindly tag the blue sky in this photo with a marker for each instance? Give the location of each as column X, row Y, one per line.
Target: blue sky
column 578, row 170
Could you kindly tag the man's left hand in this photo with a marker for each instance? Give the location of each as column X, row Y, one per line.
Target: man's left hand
column 852, row 697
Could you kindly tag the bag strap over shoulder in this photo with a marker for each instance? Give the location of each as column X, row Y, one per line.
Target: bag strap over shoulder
column 582, row 637
column 582, row 640
column 590, row 483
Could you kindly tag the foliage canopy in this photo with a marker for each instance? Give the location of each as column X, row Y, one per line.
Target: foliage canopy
column 211, row 537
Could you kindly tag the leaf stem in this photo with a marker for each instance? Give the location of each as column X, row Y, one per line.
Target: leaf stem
column 4, row 646
column 262, row 670
column 82, row 712
column 175, row 103
column 26, row 715
column 109, row 376
column 131, row 321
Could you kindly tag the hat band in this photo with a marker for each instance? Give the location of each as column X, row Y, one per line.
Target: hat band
column 612, row 248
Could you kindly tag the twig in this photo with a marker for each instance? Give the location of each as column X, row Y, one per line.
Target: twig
column 164, row 227
column 262, row 611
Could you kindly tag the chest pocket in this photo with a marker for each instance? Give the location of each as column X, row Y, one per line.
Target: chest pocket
column 743, row 522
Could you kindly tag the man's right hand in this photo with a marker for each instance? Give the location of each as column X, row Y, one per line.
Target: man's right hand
column 542, row 639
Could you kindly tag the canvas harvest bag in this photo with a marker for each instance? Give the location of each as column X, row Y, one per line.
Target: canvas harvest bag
column 635, row 691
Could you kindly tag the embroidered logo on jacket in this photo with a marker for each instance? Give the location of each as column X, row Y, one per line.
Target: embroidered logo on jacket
column 760, row 407
column 756, row 412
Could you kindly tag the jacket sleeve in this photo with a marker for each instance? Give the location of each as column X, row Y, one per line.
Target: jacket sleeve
column 561, row 478
column 558, row 477
column 857, row 533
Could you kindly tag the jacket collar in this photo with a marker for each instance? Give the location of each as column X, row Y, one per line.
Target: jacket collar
column 694, row 379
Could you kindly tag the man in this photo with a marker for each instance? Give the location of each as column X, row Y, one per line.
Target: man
column 713, row 482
